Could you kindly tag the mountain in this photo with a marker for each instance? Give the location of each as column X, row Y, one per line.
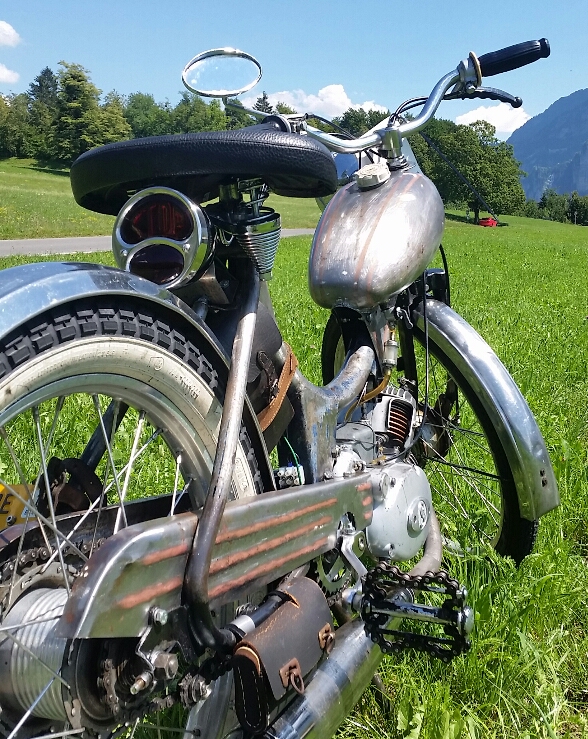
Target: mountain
column 553, row 147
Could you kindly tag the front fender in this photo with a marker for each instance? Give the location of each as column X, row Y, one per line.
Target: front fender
column 29, row 290
column 503, row 402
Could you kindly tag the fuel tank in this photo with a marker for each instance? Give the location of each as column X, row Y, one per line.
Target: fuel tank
column 372, row 243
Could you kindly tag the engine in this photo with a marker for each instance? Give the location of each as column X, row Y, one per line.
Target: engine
column 402, row 499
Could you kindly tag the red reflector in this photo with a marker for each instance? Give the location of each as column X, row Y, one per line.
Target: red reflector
column 158, row 215
column 159, row 263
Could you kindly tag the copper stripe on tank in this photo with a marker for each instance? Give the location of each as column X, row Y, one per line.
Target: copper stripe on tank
column 147, row 594
column 267, row 569
column 391, row 195
column 230, row 560
column 414, row 179
column 230, row 534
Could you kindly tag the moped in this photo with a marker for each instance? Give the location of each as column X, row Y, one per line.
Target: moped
column 195, row 538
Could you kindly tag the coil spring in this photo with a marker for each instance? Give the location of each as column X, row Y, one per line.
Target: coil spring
column 261, row 248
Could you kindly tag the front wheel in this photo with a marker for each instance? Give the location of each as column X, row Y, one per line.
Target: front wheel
column 108, row 417
column 466, row 464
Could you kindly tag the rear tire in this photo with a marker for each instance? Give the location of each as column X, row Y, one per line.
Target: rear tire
column 59, row 375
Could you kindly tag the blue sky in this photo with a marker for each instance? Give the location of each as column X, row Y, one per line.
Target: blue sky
column 319, row 55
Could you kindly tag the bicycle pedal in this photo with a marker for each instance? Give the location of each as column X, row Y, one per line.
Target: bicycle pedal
column 389, row 596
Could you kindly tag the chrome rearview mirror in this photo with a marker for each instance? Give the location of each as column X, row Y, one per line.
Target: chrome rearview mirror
column 220, row 73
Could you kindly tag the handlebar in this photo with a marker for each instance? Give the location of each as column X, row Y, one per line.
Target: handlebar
column 465, row 81
column 513, row 57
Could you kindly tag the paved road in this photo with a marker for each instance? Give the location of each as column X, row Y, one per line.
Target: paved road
column 84, row 244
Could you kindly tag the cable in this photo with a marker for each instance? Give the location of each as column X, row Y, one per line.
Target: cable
column 296, row 460
column 446, row 268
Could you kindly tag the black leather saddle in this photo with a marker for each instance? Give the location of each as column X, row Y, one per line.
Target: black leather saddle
column 102, row 179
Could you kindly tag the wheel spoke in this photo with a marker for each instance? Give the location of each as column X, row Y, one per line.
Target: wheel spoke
column 176, row 480
column 107, row 442
column 14, row 733
column 56, row 734
column 48, row 494
column 129, row 466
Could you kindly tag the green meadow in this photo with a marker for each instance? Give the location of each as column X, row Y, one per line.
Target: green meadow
column 36, row 203
column 524, row 287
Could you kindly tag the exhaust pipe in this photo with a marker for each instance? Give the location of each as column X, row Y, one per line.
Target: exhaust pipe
column 340, row 680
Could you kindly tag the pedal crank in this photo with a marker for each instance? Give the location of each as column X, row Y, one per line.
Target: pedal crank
column 389, row 594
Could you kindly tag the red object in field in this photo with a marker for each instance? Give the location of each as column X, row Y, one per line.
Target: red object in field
column 487, row 222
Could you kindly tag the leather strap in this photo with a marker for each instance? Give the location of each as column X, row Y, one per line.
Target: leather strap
column 267, row 415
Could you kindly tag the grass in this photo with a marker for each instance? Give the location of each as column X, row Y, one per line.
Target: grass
column 37, row 202
column 524, row 288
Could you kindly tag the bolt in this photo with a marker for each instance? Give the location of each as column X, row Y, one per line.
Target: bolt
column 142, row 682
column 158, row 616
column 167, row 664
column 124, row 253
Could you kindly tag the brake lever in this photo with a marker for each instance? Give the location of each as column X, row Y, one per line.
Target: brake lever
column 485, row 93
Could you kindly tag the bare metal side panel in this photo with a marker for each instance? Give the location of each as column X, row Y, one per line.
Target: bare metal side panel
column 503, row 402
column 260, row 540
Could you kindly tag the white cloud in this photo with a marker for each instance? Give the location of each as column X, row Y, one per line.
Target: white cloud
column 7, row 75
column 502, row 116
column 330, row 101
column 8, row 36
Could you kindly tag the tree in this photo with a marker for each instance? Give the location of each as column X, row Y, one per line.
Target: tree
column 487, row 163
column 44, row 89
column 109, row 124
column 77, row 110
column 236, row 118
column 262, row 103
column 284, row 109
column 146, row 117
column 15, row 127
column 554, row 206
column 577, row 211
column 532, row 210
column 81, row 122
column 192, row 114
column 357, row 120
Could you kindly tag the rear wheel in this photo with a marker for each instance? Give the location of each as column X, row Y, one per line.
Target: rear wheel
column 108, row 416
column 471, row 481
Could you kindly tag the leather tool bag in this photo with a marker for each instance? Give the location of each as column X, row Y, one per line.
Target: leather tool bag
column 275, row 658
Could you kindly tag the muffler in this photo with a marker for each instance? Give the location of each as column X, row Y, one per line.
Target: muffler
column 334, row 689
column 340, row 680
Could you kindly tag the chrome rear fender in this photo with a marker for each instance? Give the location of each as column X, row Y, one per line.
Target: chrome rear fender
column 30, row 290
column 503, row 402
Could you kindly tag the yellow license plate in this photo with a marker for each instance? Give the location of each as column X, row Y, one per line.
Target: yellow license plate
column 12, row 509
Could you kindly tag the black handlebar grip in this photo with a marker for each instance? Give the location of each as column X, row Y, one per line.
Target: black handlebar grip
column 513, row 57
